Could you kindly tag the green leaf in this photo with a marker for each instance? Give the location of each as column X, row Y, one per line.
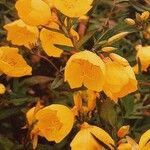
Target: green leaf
column 121, row 1
column 57, row 83
column 7, row 112
column 36, row 80
column 128, row 104
column 138, row 6
column 5, row 143
column 107, row 112
column 21, row 101
column 86, row 38
column 64, row 47
column 132, row 109
column 45, row 147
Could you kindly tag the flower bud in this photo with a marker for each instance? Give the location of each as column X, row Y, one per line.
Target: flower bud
column 130, row 21
column 77, row 100
column 2, row 89
column 108, row 49
column 119, row 59
column 83, row 18
column 145, row 15
column 148, row 29
column 138, row 47
column 92, row 96
column 117, row 37
column 124, row 130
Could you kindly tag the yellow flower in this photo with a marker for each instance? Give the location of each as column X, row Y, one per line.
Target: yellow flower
column 2, row 88
column 84, row 139
column 12, row 63
column 85, row 68
column 53, row 122
column 133, row 144
column 73, row 8
column 124, row 146
column 33, row 12
column 49, row 38
column 143, row 53
column 120, row 78
column 49, row 2
column 20, row 33
column 144, row 142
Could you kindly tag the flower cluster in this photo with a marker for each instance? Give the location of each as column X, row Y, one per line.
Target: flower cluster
column 108, row 74
column 35, row 14
column 54, row 122
column 113, row 74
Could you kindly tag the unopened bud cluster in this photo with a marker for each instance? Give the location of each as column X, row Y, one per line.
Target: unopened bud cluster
column 139, row 21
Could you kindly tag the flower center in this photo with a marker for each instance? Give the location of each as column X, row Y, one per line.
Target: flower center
column 49, row 123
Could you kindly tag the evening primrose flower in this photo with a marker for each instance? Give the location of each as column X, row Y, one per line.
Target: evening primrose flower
column 84, row 139
column 120, row 79
column 144, row 142
column 54, row 122
column 49, row 38
column 12, row 63
column 143, row 53
column 73, row 8
column 20, row 33
column 85, row 68
column 33, row 12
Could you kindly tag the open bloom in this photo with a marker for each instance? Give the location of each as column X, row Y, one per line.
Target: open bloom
column 120, row 78
column 73, row 8
column 85, row 68
column 144, row 142
column 33, row 12
column 143, row 53
column 85, row 138
column 12, row 63
column 50, row 38
column 53, row 122
column 20, row 33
